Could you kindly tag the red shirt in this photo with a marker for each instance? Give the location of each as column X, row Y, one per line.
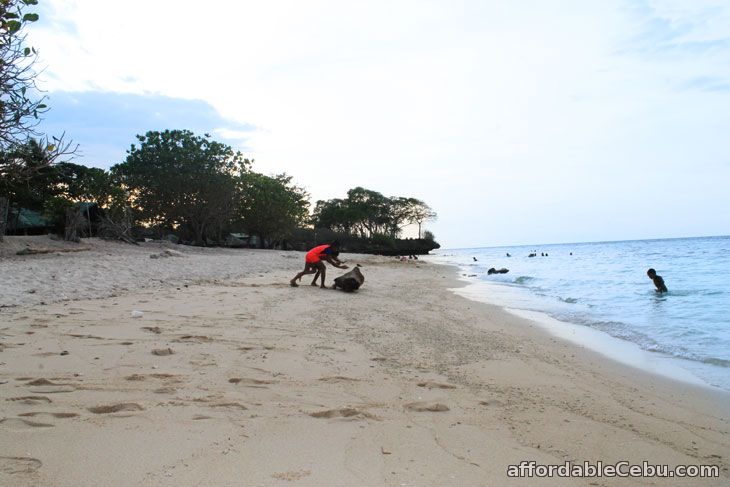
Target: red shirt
column 312, row 256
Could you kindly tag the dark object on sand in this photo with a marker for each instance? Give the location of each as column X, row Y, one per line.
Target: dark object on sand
column 492, row 270
column 349, row 281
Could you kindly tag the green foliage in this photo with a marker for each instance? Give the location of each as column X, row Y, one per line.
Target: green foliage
column 27, row 177
column 271, row 207
column 55, row 209
column 179, row 180
column 20, row 107
column 93, row 185
column 368, row 213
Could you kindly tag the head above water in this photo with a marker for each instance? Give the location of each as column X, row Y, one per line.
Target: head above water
column 651, row 273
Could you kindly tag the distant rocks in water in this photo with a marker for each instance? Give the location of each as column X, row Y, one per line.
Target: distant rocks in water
column 492, row 270
column 350, row 281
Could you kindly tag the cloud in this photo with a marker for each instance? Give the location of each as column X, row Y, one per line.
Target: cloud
column 105, row 124
column 503, row 116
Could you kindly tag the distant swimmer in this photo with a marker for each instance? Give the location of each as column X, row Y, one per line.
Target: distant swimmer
column 658, row 281
column 475, row 259
column 508, row 255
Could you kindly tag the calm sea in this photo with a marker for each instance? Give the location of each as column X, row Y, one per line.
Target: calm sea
column 604, row 286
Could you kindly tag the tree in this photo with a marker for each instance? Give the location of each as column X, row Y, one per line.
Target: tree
column 179, row 180
column 369, row 214
column 271, row 206
column 19, row 107
column 27, row 177
column 420, row 212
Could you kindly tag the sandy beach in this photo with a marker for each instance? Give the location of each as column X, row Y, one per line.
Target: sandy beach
column 181, row 366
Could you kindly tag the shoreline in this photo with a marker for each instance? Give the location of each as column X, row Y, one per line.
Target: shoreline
column 614, row 348
column 246, row 379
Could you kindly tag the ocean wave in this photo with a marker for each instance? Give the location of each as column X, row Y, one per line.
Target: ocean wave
column 716, row 361
column 524, row 279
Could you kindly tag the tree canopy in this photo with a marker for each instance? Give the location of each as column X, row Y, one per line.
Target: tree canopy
column 20, row 104
column 272, row 207
column 367, row 213
column 177, row 179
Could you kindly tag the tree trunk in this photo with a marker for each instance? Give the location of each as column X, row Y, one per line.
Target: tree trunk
column 74, row 224
column 4, row 206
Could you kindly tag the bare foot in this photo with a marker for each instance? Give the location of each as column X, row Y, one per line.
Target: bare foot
column 293, row 283
column 314, row 284
column 323, row 286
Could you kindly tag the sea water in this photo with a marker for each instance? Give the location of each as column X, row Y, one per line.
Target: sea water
column 603, row 286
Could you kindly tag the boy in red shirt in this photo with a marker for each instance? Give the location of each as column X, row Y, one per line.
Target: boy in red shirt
column 313, row 262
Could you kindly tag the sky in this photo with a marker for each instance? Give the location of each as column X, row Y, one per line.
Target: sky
column 525, row 122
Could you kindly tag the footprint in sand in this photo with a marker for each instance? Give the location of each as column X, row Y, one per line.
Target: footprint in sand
column 153, row 329
column 115, row 408
column 90, row 337
column 22, row 424
column 435, row 385
column 161, row 352
column 30, row 400
column 45, row 386
column 194, row 338
column 55, row 415
column 229, row 405
column 165, row 390
column 14, row 465
column 421, row 407
column 41, row 382
column 342, row 413
column 261, row 383
column 339, row 378
column 52, row 389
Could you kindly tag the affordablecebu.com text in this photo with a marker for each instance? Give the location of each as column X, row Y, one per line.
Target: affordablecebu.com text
column 619, row 469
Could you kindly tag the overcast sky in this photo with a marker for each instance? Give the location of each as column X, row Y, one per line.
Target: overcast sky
column 518, row 122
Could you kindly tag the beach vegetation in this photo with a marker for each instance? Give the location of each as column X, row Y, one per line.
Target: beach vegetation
column 271, row 207
column 20, row 102
column 367, row 214
column 177, row 183
column 184, row 182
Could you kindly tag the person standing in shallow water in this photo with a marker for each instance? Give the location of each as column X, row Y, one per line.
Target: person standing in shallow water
column 658, row 281
column 313, row 262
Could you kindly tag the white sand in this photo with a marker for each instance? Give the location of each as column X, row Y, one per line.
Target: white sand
column 273, row 385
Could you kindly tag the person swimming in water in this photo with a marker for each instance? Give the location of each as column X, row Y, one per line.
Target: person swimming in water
column 313, row 262
column 658, row 281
